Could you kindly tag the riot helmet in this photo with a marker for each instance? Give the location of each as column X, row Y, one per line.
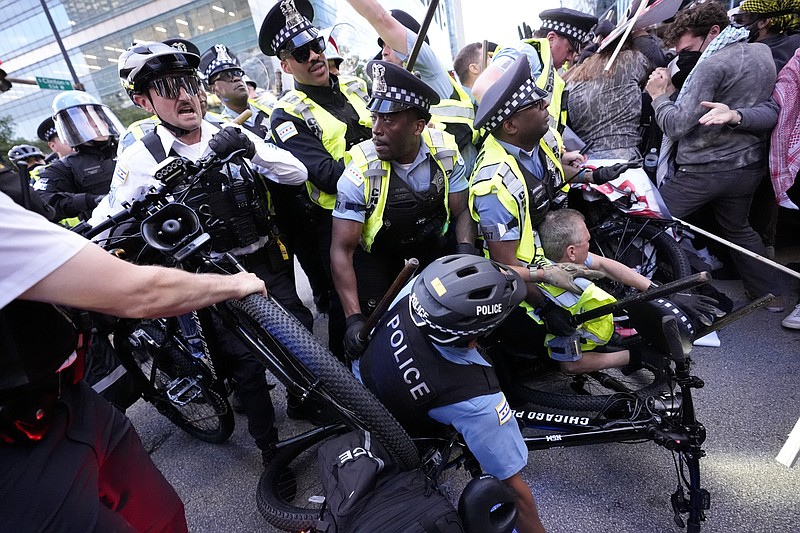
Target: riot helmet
column 142, row 63
column 460, row 297
column 80, row 118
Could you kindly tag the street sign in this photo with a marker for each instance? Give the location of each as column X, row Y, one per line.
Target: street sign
column 54, row 83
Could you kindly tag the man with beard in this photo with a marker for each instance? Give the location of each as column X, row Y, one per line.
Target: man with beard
column 397, row 198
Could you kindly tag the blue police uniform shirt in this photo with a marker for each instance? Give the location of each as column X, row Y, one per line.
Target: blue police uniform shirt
column 417, row 176
column 486, row 422
column 506, row 56
column 430, row 69
column 494, row 217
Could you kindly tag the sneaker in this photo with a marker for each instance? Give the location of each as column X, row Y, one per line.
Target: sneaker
column 776, row 305
column 792, row 320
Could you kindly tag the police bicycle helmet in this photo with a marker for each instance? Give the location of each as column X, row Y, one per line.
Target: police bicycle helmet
column 21, row 152
column 80, row 118
column 143, row 62
column 460, row 297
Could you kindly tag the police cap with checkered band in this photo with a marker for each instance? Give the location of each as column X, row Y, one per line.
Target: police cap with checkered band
column 573, row 25
column 287, row 26
column 47, row 130
column 513, row 90
column 217, row 59
column 396, row 89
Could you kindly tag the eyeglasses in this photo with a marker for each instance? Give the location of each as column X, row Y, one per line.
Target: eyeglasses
column 170, row 87
column 229, row 75
column 301, row 54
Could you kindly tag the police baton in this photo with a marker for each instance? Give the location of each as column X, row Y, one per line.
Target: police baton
column 412, row 57
column 402, row 278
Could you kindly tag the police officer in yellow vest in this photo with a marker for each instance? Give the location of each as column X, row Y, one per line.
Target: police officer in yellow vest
column 220, row 68
column 557, row 41
column 397, row 32
column 403, row 194
column 317, row 121
column 517, row 179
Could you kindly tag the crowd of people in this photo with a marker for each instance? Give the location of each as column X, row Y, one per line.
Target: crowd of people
column 468, row 171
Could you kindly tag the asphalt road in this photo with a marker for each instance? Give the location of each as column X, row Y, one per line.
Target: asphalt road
column 749, row 405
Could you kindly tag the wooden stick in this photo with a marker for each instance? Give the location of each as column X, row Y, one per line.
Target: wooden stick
column 412, row 57
column 642, row 6
column 402, row 278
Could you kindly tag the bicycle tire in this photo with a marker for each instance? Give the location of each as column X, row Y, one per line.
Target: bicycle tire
column 289, row 491
column 363, row 409
column 208, row 417
column 541, row 383
column 645, row 246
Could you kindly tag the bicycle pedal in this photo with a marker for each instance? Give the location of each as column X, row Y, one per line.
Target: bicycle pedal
column 705, row 500
column 182, row 391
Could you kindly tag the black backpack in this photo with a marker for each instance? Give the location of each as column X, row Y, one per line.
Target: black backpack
column 366, row 492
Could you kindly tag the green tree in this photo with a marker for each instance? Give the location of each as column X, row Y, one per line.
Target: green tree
column 130, row 114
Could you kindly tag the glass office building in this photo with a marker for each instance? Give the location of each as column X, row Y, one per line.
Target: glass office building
column 95, row 32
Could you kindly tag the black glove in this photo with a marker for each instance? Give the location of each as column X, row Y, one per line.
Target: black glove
column 697, row 306
column 557, row 320
column 354, row 345
column 466, row 248
column 228, row 140
column 605, row 174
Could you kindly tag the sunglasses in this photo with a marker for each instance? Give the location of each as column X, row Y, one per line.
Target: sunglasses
column 301, row 54
column 229, row 75
column 540, row 104
column 170, row 87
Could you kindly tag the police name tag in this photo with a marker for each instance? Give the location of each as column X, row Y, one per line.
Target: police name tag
column 286, row 131
column 503, row 410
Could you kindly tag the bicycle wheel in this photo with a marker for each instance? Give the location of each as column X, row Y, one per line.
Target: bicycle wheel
column 646, row 246
column 540, row 382
column 290, row 491
column 334, row 383
column 183, row 389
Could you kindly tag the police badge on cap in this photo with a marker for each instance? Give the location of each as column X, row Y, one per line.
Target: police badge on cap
column 573, row 25
column 217, row 59
column 512, row 91
column 182, row 45
column 396, row 89
column 287, row 26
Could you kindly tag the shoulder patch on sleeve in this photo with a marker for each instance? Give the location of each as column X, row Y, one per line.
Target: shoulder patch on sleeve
column 352, row 173
column 120, row 174
column 286, row 130
column 503, row 410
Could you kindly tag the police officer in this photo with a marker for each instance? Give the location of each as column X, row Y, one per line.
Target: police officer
column 317, row 121
column 397, row 197
column 164, row 81
column 75, row 184
column 48, row 133
column 25, row 153
column 518, row 178
column 140, row 128
column 22, row 193
column 557, row 41
column 422, row 363
column 397, row 32
column 71, row 461
column 225, row 77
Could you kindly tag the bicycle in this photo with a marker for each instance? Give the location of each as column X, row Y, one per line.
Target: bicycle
column 159, row 222
column 291, row 497
column 629, row 223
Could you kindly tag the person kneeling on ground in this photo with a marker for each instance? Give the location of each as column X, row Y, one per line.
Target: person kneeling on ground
column 423, row 364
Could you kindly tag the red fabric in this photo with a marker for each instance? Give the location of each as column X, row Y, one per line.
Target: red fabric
column 784, row 153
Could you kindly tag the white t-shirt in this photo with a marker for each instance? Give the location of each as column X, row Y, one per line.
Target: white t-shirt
column 30, row 248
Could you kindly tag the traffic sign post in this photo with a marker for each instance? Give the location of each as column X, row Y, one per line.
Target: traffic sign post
column 54, row 83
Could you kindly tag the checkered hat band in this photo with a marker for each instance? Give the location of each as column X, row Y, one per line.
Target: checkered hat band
column 522, row 95
column 396, row 94
column 50, row 133
column 287, row 33
column 562, row 27
column 219, row 64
